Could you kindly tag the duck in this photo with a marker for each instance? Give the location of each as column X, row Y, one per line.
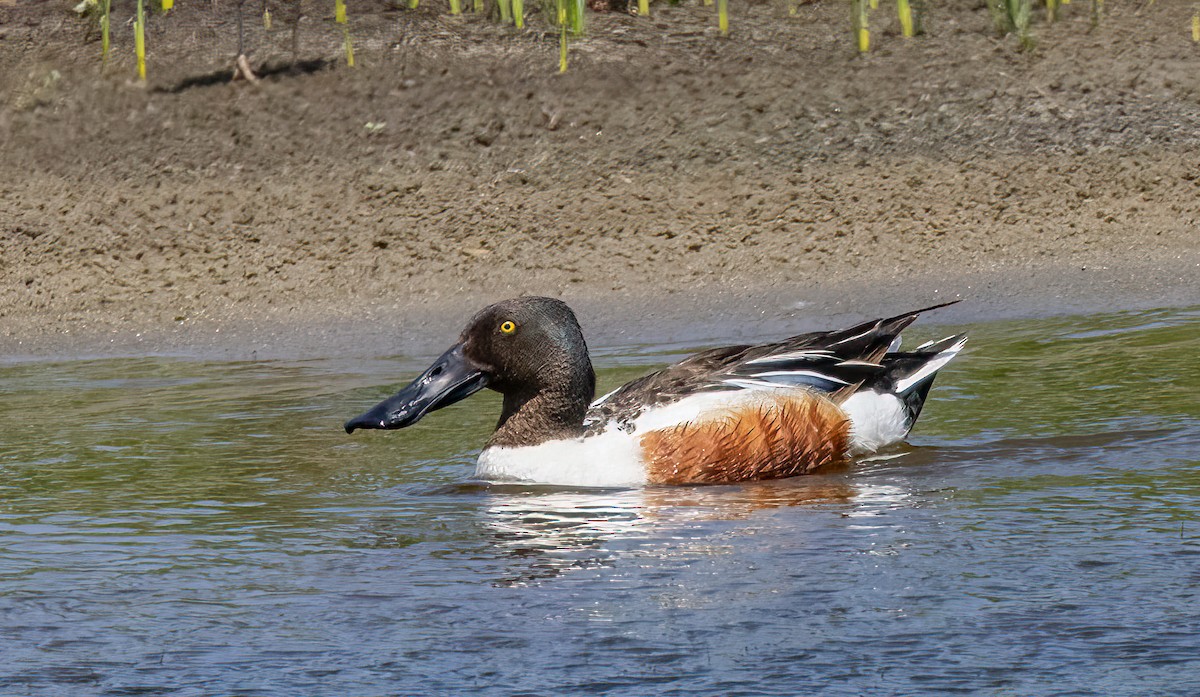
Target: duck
column 724, row 415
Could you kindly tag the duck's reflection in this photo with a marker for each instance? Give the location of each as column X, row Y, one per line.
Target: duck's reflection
column 549, row 532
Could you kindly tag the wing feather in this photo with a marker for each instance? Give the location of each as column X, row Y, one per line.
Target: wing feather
column 836, row 363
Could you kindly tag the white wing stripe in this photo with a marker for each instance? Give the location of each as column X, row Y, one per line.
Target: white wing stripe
column 935, row 364
column 856, row 336
column 601, row 400
column 757, row 384
column 799, row 373
column 793, row 356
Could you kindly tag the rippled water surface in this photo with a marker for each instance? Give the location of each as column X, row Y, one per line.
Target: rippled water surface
column 176, row 527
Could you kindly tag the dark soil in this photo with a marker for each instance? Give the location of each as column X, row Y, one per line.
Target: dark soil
column 669, row 167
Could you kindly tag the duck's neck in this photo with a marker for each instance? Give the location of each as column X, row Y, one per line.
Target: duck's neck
column 535, row 417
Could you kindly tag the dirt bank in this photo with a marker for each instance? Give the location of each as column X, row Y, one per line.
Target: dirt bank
column 669, row 173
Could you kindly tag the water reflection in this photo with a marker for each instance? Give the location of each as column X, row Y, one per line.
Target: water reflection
column 549, row 532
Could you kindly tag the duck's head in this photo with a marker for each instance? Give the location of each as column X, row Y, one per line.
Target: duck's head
column 522, row 348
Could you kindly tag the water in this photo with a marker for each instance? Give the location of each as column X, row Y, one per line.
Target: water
column 176, row 527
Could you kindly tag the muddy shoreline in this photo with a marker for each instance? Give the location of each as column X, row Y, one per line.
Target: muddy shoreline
column 710, row 314
column 672, row 186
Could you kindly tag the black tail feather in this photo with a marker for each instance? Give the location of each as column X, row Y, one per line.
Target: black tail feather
column 914, row 399
column 904, row 365
column 866, row 341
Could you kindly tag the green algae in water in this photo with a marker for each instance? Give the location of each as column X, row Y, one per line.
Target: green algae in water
column 175, row 526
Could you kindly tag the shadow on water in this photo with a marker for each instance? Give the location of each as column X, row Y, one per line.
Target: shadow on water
column 182, row 528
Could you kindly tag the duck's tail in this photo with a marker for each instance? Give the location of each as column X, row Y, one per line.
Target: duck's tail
column 884, row 408
column 910, row 374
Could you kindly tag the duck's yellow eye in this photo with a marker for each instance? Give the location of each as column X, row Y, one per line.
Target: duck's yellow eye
column 508, row 327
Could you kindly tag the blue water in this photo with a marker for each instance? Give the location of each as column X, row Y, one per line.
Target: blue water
column 177, row 527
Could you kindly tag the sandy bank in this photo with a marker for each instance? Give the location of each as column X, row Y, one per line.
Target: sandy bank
column 672, row 186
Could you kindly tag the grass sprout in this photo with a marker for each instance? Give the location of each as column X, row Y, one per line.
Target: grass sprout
column 569, row 16
column 904, row 11
column 139, row 39
column 105, row 22
column 576, row 14
column 1012, row 17
column 339, row 16
column 1008, row 16
column 858, row 21
column 562, row 32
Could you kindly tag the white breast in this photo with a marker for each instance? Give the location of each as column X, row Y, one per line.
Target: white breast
column 610, row 459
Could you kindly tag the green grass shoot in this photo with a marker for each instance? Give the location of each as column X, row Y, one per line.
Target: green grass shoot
column 562, row 31
column 348, row 45
column 267, row 19
column 1021, row 22
column 139, row 39
column 1051, row 10
column 105, row 21
column 339, row 16
column 858, row 19
column 1196, row 25
column 518, row 10
column 643, row 8
column 478, row 7
column 723, row 16
column 904, row 10
column 167, row 5
column 575, row 10
column 1012, row 17
column 506, row 15
column 455, row 7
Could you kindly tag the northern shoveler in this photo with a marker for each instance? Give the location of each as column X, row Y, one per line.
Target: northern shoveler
column 728, row 414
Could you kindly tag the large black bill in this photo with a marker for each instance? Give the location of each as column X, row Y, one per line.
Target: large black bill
column 450, row 379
